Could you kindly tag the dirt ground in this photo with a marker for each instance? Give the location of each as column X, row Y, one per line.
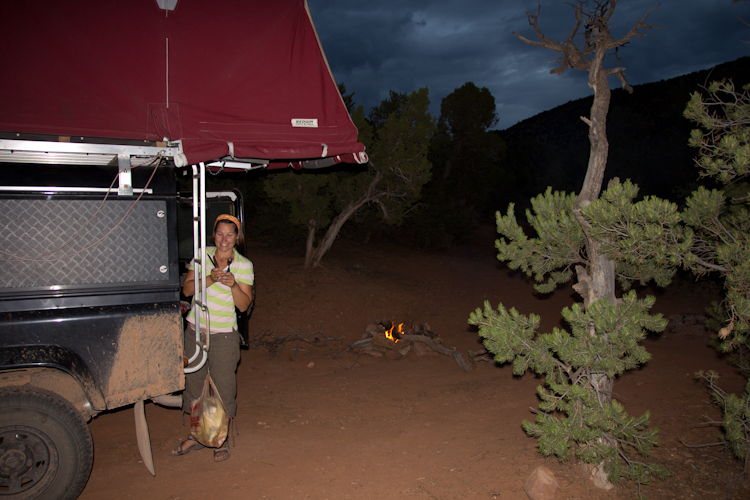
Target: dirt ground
column 323, row 422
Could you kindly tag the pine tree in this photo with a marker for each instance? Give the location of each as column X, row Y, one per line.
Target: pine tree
column 580, row 366
column 720, row 225
column 651, row 238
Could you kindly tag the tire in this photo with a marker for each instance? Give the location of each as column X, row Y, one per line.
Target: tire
column 46, row 451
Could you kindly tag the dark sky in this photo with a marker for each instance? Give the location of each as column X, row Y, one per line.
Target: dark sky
column 374, row 46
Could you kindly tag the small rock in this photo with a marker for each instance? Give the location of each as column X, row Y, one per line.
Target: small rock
column 419, row 349
column 541, row 484
column 597, row 476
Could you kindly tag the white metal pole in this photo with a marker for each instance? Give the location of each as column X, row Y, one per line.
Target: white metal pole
column 199, row 257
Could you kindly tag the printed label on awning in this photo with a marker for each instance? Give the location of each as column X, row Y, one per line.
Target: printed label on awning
column 305, row 122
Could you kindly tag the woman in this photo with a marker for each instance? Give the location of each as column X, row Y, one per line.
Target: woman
column 228, row 286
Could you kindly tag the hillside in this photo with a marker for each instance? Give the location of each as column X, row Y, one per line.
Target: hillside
column 647, row 133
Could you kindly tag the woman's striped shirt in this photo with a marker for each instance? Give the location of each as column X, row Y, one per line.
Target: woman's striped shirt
column 220, row 302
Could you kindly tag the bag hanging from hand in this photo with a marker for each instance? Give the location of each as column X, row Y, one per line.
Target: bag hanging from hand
column 209, row 422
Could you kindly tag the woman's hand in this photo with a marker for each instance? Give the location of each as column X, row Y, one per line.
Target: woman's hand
column 217, row 275
column 189, row 283
column 223, row 277
column 228, row 280
column 242, row 293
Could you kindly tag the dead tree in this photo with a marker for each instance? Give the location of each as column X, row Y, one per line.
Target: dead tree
column 586, row 47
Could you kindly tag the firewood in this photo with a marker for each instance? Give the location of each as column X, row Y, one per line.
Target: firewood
column 374, row 342
column 372, row 330
column 467, row 367
column 276, row 343
column 383, row 341
column 361, row 343
column 481, row 355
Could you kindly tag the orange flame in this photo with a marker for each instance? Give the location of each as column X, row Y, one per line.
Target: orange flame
column 389, row 333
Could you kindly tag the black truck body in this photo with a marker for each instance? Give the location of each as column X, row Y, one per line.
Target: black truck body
column 90, row 312
column 102, row 308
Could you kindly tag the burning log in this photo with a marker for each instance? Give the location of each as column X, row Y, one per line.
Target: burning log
column 401, row 346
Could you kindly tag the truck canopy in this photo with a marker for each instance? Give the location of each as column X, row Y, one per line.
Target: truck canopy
column 231, row 79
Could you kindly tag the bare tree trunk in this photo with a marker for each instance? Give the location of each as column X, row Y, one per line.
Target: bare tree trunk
column 447, row 168
column 599, row 280
column 600, row 277
column 309, row 244
column 338, row 222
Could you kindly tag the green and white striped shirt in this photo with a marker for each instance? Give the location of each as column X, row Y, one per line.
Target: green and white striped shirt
column 220, row 302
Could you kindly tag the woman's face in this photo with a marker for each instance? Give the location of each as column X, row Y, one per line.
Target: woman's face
column 225, row 236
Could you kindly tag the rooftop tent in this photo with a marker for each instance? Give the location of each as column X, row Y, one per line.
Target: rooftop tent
column 225, row 78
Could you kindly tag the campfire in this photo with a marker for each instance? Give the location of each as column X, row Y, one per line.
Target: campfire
column 389, row 333
column 386, row 339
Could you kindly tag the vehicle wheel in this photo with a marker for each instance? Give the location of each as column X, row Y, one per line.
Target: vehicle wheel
column 46, row 451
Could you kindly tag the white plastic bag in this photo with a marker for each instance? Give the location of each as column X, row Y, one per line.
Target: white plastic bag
column 209, row 422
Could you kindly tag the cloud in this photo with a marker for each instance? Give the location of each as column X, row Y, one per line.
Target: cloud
column 403, row 45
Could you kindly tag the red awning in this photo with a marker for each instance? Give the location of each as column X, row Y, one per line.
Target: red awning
column 242, row 78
